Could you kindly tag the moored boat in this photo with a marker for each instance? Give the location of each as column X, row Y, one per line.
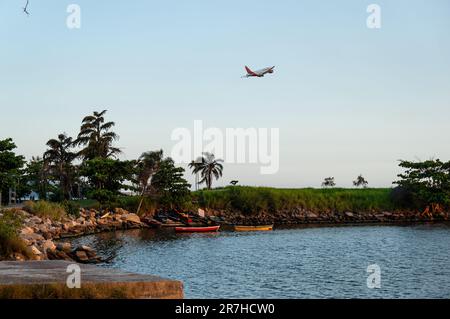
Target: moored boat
column 253, row 228
column 201, row 229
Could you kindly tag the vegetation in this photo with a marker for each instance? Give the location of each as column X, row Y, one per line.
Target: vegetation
column 360, row 181
column 208, row 167
column 172, row 188
column 426, row 183
column 254, row 199
column 10, row 166
column 85, row 172
column 328, row 182
column 44, row 209
column 106, row 177
column 97, row 138
column 10, row 242
column 58, row 160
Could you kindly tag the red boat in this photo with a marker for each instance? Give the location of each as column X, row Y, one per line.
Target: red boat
column 202, row 229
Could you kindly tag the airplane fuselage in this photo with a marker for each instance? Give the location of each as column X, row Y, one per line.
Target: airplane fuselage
column 258, row 73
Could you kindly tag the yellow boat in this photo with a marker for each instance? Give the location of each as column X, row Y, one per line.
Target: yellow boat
column 253, row 228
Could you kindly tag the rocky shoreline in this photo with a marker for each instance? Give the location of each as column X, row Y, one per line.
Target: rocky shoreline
column 44, row 238
column 39, row 234
column 299, row 216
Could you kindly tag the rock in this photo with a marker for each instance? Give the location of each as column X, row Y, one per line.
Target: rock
column 348, row 214
column 18, row 257
column 32, row 238
column 121, row 211
column 26, row 230
column 65, row 247
column 311, row 215
column 81, row 255
column 48, row 245
column 133, row 218
column 35, row 220
column 80, row 220
column 58, row 255
column 33, row 250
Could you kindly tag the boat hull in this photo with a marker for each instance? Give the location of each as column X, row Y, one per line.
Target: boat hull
column 253, row 228
column 206, row 229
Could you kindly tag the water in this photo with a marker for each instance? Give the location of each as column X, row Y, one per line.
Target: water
column 325, row 262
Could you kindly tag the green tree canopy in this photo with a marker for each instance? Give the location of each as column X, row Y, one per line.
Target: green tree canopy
column 169, row 184
column 96, row 137
column 58, row 160
column 428, row 181
column 10, row 165
column 209, row 167
column 106, row 177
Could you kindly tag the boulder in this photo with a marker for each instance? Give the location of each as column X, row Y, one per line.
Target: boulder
column 81, row 256
column 65, row 247
column 18, row 257
column 33, row 250
column 133, row 218
column 311, row 215
column 32, row 238
column 48, row 245
column 348, row 214
column 80, row 220
column 26, row 230
column 35, row 220
column 58, row 255
column 121, row 211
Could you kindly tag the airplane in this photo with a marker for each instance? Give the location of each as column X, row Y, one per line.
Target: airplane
column 259, row 73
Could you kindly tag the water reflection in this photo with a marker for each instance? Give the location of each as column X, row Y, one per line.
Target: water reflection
column 325, row 262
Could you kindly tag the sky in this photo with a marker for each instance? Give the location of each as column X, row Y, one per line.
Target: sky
column 347, row 99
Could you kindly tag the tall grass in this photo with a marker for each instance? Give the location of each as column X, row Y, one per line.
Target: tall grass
column 46, row 209
column 10, row 223
column 255, row 199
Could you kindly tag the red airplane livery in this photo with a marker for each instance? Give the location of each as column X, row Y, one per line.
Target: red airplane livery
column 259, row 73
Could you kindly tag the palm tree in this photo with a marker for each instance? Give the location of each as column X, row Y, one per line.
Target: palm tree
column 97, row 138
column 58, row 159
column 147, row 165
column 208, row 167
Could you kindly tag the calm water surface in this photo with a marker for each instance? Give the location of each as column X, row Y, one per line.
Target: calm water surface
column 325, row 262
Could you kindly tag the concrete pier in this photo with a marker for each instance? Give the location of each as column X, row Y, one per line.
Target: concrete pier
column 48, row 280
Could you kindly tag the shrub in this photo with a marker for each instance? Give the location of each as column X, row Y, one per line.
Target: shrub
column 10, row 242
column 45, row 209
column 72, row 208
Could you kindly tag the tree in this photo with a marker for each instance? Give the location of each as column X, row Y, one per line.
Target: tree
column 169, row 185
column 36, row 175
column 328, row 182
column 96, row 137
column 58, row 160
column 10, row 165
column 427, row 181
column 147, row 165
column 106, row 177
column 360, row 181
column 208, row 167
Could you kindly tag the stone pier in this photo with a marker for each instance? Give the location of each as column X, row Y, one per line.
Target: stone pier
column 48, row 280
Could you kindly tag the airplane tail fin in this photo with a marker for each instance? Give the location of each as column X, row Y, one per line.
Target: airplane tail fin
column 249, row 71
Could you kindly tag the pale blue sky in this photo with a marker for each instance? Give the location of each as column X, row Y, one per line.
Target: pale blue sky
column 347, row 99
